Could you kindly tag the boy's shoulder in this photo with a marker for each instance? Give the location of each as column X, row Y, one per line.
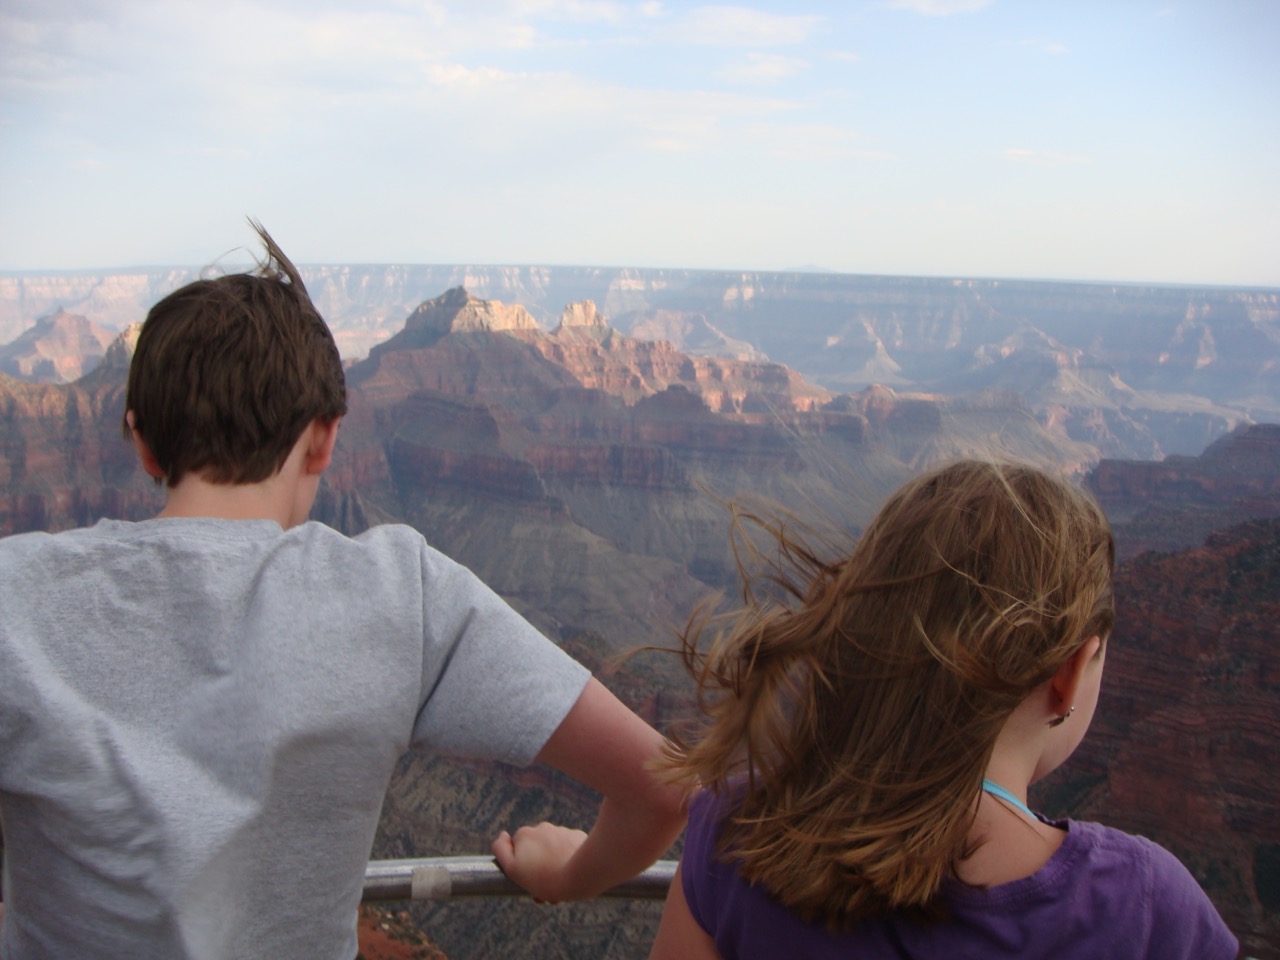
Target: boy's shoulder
column 17, row 546
column 120, row 542
column 205, row 527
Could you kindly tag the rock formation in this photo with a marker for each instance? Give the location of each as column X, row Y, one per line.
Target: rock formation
column 457, row 311
column 60, row 348
column 388, row 934
column 1175, row 503
column 583, row 315
column 63, row 460
column 694, row 334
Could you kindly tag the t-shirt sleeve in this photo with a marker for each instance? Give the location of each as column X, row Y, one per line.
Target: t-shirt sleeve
column 699, row 869
column 1184, row 922
column 493, row 687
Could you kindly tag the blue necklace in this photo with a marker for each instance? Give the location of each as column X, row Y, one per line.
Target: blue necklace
column 993, row 788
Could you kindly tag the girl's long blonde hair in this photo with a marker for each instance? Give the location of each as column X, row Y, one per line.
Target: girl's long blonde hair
column 852, row 705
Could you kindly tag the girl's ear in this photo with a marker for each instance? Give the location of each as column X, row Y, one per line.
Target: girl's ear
column 1066, row 682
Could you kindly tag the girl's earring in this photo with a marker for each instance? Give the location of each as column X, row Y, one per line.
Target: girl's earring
column 1059, row 721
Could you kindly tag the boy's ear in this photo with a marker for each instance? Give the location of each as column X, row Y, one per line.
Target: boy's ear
column 145, row 456
column 1066, row 682
column 322, row 437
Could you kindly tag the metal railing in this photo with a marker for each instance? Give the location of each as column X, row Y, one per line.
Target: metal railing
column 445, row 878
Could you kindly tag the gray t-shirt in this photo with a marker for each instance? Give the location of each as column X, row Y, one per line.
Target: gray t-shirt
column 199, row 718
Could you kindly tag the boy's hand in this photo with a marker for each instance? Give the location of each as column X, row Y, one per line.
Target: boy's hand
column 536, row 858
column 606, row 747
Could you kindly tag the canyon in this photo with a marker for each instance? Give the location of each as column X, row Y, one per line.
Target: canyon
column 584, row 473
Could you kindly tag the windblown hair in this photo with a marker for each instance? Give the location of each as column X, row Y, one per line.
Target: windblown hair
column 853, row 705
column 229, row 371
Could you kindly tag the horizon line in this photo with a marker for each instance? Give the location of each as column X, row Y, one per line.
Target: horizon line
column 231, row 267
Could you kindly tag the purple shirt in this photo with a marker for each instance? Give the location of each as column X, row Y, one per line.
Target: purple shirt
column 1104, row 895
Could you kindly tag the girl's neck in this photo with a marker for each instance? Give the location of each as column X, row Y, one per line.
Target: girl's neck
column 1011, row 843
column 1008, row 796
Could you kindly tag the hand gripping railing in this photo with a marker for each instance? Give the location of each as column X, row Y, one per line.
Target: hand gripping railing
column 443, row 878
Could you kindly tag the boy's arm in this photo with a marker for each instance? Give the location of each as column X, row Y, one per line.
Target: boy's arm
column 604, row 746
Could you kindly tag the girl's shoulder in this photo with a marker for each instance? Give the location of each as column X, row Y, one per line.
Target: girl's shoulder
column 1105, row 892
column 1177, row 915
column 1132, row 853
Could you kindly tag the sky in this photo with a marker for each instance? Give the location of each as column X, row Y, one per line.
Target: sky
column 1108, row 140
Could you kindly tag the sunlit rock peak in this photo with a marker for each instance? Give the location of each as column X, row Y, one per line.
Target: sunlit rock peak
column 583, row 313
column 59, row 348
column 119, row 353
column 457, row 311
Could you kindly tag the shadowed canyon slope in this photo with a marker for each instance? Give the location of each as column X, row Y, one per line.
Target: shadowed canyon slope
column 63, row 459
column 1177, row 502
column 578, row 471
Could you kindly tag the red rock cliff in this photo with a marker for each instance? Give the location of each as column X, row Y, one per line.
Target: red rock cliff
column 1176, row 502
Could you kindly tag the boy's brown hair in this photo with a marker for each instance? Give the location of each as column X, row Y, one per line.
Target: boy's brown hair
column 229, row 371
column 853, row 704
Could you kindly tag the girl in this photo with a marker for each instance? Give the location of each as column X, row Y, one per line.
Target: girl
column 873, row 726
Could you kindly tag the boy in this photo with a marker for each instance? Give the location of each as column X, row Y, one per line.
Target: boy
column 199, row 713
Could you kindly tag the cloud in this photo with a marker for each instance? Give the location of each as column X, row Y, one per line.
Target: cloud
column 210, row 152
column 1051, row 47
column 526, row 11
column 43, row 50
column 814, row 142
column 940, row 8
column 457, row 75
column 1045, row 158
column 742, row 27
column 585, row 11
column 761, row 68
column 384, row 74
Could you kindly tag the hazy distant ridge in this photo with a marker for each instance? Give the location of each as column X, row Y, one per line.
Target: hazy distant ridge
column 1135, row 370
